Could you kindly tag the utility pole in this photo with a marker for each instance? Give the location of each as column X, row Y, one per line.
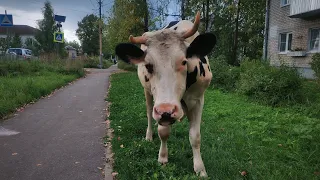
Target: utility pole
column 100, row 34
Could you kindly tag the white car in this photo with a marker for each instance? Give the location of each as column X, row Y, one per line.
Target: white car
column 20, row 52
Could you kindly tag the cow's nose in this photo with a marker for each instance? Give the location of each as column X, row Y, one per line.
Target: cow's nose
column 166, row 115
column 166, row 110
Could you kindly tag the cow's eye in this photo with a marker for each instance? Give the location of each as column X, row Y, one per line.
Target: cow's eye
column 149, row 68
column 184, row 62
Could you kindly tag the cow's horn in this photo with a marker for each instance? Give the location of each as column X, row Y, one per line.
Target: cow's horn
column 195, row 27
column 138, row 40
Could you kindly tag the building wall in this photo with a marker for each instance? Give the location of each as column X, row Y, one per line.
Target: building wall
column 280, row 22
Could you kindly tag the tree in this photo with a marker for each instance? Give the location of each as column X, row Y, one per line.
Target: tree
column 16, row 41
column 88, row 34
column 47, row 28
column 33, row 45
column 74, row 44
column 5, row 43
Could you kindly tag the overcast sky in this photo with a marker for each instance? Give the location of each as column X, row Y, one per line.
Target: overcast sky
column 27, row 12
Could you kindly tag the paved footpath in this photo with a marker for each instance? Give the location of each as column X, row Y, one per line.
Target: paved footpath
column 58, row 137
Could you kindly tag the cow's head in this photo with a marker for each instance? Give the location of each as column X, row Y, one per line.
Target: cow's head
column 165, row 55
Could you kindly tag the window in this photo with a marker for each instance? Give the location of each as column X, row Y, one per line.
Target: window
column 314, row 40
column 285, row 42
column 285, row 2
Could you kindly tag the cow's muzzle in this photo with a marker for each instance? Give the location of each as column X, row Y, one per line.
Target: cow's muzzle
column 166, row 114
column 166, row 119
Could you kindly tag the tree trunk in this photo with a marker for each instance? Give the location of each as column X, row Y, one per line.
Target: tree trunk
column 146, row 16
column 235, row 44
column 183, row 15
column 207, row 16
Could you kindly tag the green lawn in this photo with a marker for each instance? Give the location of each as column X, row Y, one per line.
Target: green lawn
column 16, row 91
column 237, row 135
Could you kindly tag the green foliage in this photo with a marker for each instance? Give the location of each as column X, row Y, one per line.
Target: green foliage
column 47, row 27
column 88, row 33
column 26, row 81
column 270, row 85
column 126, row 66
column 18, row 67
column 126, row 20
column 251, row 25
column 224, row 76
column 94, row 62
column 315, row 65
column 16, row 41
column 33, row 45
column 236, row 135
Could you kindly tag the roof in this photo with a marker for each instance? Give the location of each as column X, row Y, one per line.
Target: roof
column 69, row 48
column 19, row 29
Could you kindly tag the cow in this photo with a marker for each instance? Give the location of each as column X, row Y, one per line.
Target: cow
column 174, row 71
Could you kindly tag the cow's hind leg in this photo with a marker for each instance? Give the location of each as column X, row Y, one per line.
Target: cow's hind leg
column 194, row 116
column 149, row 115
column 164, row 132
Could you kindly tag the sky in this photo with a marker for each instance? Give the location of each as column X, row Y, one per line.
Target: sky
column 27, row 12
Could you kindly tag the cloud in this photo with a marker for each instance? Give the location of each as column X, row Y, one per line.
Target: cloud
column 21, row 17
column 70, row 35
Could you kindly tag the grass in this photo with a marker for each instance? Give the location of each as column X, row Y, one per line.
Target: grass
column 237, row 135
column 23, row 82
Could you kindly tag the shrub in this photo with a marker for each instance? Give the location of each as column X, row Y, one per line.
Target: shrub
column 315, row 65
column 21, row 67
column 224, row 76
column 271, row 85
column 126, row 66
column 94, row 62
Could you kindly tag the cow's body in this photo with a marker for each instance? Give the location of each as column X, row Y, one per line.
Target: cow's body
column 196, row 78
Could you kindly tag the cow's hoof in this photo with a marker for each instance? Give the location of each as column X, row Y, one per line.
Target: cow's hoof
column 203, row 174
column 149, row 136
column 163, row 160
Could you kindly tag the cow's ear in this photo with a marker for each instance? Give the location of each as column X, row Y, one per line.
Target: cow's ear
column 130, row 53
column 201, row 45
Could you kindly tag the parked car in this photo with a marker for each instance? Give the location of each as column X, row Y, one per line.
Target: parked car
column 20, row 52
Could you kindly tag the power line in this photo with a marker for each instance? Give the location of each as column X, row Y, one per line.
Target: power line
column 92, row 4
column 165, row 14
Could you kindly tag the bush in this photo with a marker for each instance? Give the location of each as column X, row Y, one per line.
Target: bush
column 315, row 65
column 126, row 66
column 270, row 85
column 94, row 62
column 21, row 67
column 224, row 76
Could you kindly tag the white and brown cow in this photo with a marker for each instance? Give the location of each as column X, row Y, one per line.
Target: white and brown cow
column 175, row 72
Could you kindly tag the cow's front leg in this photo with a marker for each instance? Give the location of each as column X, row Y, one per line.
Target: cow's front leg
column 149, row 114
column 164, row 132
column 194, row 116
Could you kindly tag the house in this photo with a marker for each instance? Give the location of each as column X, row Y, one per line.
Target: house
column 24, row 31
column 292, row 33
column 72, row 52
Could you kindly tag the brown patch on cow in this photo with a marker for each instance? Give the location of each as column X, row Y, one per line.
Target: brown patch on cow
column 149, row 68
column 146, row 78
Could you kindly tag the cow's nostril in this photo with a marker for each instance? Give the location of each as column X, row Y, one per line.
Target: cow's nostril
column 166, row 115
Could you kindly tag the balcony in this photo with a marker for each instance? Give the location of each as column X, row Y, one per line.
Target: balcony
column 304, row 8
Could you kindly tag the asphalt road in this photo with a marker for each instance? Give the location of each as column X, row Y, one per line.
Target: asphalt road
column 58, row 137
